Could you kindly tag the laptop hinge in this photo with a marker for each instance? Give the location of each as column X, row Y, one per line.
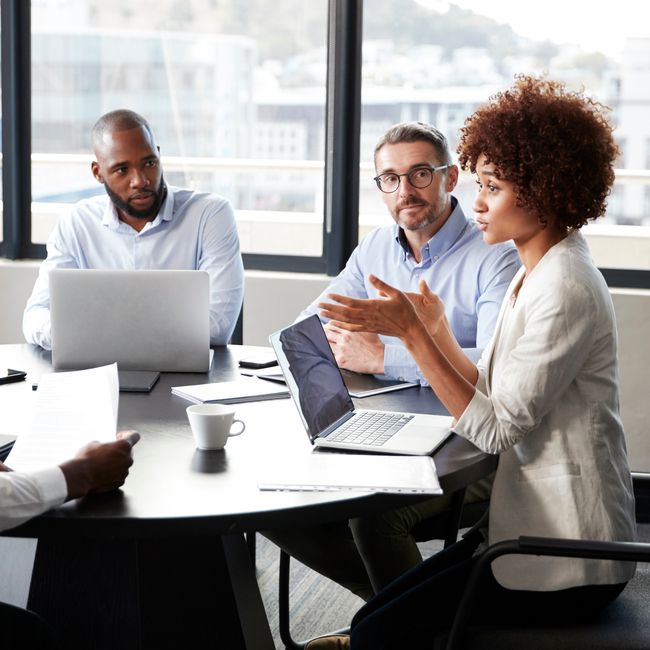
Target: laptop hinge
column 336, row 424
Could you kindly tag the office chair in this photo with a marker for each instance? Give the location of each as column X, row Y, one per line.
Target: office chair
column 237, row 337
column 444, row 526
column 623, row 625
column 21, row 629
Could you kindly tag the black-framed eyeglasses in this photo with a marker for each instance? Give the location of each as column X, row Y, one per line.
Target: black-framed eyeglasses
column 419, row 177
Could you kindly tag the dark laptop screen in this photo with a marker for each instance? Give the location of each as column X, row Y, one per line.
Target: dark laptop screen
column 317, row 387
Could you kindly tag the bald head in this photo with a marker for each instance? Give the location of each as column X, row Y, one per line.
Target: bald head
column 116, row 121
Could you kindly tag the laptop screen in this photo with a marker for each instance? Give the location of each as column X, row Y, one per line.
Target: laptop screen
column 312, row 374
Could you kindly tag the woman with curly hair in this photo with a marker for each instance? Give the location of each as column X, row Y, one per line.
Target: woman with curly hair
column 545, row 393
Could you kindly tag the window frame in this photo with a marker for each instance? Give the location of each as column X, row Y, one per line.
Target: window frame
column 342, row 133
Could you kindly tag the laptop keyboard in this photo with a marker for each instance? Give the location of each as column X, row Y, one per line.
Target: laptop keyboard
column 367, row 428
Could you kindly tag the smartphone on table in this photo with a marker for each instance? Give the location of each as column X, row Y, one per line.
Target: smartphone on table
column 10, row 375
column 258, row 361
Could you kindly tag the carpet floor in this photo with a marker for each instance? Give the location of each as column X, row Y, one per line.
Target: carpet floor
column 318, row 605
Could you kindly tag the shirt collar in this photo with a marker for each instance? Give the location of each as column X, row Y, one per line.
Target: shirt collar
column 444, row 239
column 166, row 213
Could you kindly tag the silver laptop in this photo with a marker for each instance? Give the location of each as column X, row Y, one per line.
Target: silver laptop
column 318, row 390
column 143, row 320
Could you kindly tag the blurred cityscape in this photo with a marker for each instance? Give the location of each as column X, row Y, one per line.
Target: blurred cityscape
column 244, row 80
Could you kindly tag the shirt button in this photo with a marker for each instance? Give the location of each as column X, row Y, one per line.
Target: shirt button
column 435, row 257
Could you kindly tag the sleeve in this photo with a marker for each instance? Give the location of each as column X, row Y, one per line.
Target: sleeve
column 221, row 258
column 557, row 339
column 493, row 284
column 349, row 282
column 23, row 496
column 36, row 317
column 399, row 364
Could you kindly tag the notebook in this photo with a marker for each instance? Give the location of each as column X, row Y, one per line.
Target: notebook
column 246, row 389
column 143, row 320
column 323, row 401
column 137, row 381
column 358, row 384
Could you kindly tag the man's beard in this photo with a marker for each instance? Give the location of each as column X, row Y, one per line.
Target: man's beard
column 150, row 213
column 431, row 215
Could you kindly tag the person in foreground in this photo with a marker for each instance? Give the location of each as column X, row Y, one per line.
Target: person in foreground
column 96, row 468
column 142, row 223
column 544, row 395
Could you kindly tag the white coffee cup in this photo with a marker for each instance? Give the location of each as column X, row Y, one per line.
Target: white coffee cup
column 211, row 424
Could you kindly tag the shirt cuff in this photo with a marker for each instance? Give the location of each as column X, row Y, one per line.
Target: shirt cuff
column 52, row 486
column 477, row 421
column 399, row 364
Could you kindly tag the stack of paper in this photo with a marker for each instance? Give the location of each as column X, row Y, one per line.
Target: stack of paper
column 71, row 409
column 331, row 472
column 246, row 389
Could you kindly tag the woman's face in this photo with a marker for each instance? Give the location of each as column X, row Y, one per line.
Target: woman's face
column 497, row 214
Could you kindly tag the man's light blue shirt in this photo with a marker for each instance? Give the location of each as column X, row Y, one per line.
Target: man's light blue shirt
column 470, row 276
column 193, row 230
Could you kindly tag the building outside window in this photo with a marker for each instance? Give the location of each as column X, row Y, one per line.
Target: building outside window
column 239, row 108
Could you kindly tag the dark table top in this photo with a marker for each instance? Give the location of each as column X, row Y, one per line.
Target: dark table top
column 174, row 489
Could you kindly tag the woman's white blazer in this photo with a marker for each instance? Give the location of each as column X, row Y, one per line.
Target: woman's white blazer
column 547, row 402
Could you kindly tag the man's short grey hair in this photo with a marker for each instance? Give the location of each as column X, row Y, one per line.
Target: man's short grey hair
column 119, row 120
column 417, row 132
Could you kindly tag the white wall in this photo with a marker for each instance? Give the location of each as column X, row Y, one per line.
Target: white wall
column 633, row 319
column 16, row 282
column 274, row 299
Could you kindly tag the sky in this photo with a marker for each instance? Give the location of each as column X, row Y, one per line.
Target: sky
column 598, row 25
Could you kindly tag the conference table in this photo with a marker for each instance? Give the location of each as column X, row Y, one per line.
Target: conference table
column 163, row 562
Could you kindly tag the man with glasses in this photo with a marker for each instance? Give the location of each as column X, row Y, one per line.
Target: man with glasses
column 432, row 240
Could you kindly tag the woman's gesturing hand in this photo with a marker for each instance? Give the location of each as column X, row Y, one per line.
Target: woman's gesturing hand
column 394, row 314
column 429, row 308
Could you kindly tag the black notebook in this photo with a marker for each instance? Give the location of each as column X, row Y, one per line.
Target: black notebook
column 137, row 381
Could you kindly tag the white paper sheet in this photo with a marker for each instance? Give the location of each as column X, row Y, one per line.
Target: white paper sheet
column 331, row 472
column 71, row 409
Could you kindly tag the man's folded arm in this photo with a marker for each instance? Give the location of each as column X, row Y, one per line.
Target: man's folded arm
column 349, row 282
column 399, row 364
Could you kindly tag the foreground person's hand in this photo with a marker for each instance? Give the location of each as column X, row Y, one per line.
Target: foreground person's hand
column 100, row 467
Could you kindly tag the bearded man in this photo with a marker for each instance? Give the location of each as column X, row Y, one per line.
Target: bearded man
column 142, row 223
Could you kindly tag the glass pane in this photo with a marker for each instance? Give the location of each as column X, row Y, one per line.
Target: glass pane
column 237, row 108
column 1, row 204
column 437, row 61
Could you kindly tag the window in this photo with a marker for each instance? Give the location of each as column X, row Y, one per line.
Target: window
column 237, row 108
column 1, row 183
column 273, row 118
column 418, row 64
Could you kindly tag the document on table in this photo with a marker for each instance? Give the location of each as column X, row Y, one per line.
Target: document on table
column 245, row 389
column 70, row 410
column 331, row 472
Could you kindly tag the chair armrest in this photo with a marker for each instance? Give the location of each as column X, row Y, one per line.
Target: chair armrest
column 592, row 549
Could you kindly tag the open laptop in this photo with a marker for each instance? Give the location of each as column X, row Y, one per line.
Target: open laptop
column 143, row 320
column 318, row 390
